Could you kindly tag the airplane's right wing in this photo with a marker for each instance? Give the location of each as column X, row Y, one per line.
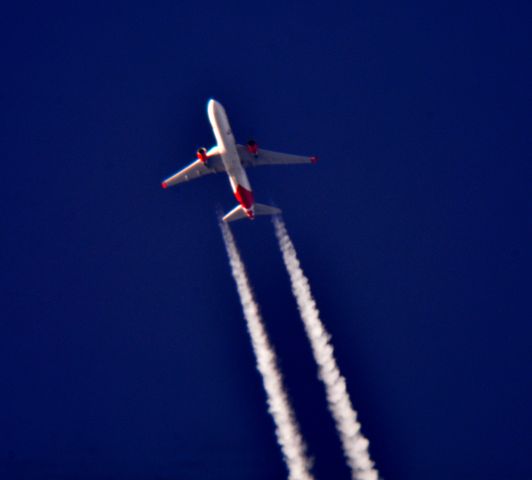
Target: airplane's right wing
column 268, row 157
column 195, row 170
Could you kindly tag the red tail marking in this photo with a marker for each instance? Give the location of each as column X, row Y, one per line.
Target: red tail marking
column 244, row 197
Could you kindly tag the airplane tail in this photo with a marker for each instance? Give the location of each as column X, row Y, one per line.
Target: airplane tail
column 238, row 212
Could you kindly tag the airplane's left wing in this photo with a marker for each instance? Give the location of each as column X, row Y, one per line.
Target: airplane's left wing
column 268, row 157
column 195, row 170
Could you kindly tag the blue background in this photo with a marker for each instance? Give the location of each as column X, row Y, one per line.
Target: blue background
column 123, row 351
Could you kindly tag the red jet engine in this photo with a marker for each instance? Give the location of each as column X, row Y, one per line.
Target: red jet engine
column 202, row 154
column 252, row 147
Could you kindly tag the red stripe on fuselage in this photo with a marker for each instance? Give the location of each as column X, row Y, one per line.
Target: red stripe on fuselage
column 244, row 197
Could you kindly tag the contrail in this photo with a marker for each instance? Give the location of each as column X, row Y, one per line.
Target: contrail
column 286, row 427
column 354, row 444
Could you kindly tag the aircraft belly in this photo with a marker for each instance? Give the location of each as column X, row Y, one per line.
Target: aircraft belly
column 238, row 176
column 227, row 147
column 231, row 160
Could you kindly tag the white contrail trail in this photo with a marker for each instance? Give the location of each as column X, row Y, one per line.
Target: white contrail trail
column 286, row 427
column 354, row 444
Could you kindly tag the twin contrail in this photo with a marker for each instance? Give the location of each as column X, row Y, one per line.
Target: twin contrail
column 354, row 444
column 286, row 427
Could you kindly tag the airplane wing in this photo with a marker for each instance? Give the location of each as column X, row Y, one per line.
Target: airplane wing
column 195, row 170
column 267, row 157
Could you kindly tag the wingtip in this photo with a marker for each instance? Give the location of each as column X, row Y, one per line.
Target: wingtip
column 164, row 185
column 314, row 160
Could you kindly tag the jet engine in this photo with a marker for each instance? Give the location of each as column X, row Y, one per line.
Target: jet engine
column 202, row 154
column 252, row 147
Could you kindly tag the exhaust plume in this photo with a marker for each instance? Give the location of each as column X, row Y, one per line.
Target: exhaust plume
column 354, row 444
column 286, row 427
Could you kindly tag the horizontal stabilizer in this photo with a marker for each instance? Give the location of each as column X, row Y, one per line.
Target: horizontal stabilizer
column 238, row 213
column 261, row 209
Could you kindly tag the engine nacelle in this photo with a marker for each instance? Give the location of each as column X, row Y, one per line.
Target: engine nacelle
column 202, row 154
column 252, row 147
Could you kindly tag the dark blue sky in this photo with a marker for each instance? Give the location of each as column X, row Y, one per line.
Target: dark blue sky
column 123, row 351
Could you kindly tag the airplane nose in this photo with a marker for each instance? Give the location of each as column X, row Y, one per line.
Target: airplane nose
column 212, row 106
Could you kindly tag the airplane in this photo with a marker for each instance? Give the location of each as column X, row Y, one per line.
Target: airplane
column 229, row 157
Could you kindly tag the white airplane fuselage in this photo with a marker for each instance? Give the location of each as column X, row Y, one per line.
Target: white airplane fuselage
column 226, row 147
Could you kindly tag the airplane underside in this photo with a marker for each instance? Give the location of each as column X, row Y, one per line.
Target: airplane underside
column 229, row 157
